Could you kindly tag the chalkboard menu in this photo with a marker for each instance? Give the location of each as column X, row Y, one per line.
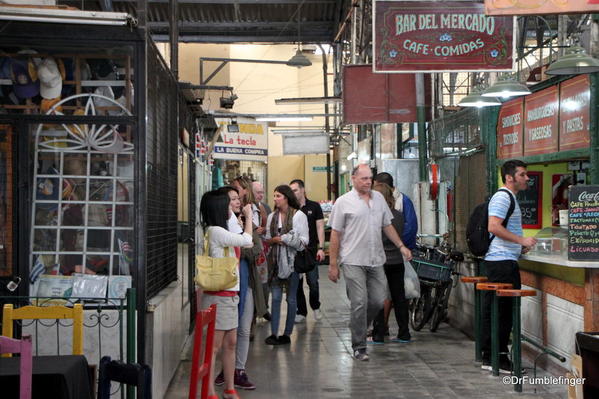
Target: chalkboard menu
column 531, row 201
column 583, row 230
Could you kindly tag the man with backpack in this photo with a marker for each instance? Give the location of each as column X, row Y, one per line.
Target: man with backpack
column 501, row 259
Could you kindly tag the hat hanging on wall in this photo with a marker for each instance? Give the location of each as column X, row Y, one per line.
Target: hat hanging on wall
column 24, row 78
column 51, row 74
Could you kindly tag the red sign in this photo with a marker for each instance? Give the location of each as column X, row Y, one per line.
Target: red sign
column 509, row 129
column 574, row 113
column 421, row 36
column 380, row 98
column 541, row 125
column 536, row 7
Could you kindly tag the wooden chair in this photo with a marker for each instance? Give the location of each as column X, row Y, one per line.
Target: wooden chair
column 204, row 318
column 22, row 346
column 46, row 312
column 138, row 375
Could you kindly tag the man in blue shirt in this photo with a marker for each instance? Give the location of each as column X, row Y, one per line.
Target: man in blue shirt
column 501, row 260
column 404, row 204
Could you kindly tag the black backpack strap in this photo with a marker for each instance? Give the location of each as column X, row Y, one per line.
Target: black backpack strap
column 510, row 210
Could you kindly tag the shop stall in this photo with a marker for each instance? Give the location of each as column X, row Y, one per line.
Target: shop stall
column 554, row 131
column 89, row 123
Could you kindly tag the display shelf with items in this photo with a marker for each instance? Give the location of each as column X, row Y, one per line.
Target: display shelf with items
column 37, row 81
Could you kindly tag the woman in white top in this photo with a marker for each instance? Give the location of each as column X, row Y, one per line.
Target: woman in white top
column 215, row 212
column 286, row 233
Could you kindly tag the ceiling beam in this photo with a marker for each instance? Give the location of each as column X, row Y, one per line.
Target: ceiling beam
column 242, row 25
column 233, row 2
column 245, row 39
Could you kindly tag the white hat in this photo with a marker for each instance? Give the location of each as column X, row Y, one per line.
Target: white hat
column 106, row 92
column 50, row 77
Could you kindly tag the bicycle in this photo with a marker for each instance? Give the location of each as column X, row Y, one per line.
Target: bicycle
column 435, row 268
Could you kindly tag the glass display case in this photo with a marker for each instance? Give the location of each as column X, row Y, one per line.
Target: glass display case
column 551, row 241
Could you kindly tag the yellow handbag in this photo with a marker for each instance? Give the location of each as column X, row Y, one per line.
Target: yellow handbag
column 216, row 274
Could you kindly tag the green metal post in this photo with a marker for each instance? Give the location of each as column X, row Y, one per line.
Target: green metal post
column 594, row 129
column 516, row 343
column 131, row 342
column 488, row 134
column 495, row 335
column 421, row 118
column 477, row 309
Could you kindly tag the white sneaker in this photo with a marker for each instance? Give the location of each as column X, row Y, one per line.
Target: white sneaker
column 317, row 315
column 299, row 318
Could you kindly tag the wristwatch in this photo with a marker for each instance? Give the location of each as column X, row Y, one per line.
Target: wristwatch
column 321, row 248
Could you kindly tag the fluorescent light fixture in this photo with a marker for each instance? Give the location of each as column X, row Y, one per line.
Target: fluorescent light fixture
column 351, row 156
column 67, row 16
column 274, row 118
column 299, row 131
column 308, row 100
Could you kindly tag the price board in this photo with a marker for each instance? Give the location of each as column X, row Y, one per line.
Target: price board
column 583, row 229
column 531, row 202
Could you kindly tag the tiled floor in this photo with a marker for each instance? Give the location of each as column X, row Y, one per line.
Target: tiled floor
column 318, row 363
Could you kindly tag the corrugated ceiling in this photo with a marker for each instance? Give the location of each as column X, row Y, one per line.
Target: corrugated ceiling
column 235, row 21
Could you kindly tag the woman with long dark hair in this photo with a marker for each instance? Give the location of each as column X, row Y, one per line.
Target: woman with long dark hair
column 215, row 211
column 394, row 270
column 286, row 233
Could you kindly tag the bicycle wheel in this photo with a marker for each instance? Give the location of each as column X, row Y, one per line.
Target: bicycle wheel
column 421, row 308
column 440, row 306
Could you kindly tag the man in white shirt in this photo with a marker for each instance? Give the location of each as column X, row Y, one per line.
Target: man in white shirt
column 356, row 243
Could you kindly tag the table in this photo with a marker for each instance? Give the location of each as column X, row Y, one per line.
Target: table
column 56, row 377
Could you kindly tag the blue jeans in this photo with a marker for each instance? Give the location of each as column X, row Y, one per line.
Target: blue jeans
column 277, row 297
column 244, row 281
column 312, row 278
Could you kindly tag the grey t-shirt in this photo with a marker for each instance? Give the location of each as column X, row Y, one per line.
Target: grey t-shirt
column 360, row 226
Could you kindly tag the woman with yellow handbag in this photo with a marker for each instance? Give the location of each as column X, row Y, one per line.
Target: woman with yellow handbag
column 215, row 212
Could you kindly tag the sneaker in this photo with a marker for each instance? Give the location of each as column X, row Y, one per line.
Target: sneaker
column 284, row 339
column 361, row 355
column 505, row 365
column 220, row 379
column 375, row 340
column 317, row 315
column 299, row 318
column 242, row 381
column 272, row 340
column 403, row 340
column 486, row 365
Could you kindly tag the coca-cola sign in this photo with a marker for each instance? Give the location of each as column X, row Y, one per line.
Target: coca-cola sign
column 588, row 196
column 583, row 218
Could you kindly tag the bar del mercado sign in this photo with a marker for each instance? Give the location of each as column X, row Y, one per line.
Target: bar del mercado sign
column 426, row 36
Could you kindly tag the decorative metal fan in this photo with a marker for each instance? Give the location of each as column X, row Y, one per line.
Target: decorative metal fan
column 104, row 138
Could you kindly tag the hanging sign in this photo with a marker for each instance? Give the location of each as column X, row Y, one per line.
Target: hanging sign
column 541, row 124
column 574, row 113
column 536, row 7
column 244, row 140
column 423, row 36
column 509, row 129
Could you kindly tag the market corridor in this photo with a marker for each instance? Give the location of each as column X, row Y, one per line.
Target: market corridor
column 318, row 363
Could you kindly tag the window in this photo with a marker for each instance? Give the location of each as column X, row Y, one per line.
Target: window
column 82, row 208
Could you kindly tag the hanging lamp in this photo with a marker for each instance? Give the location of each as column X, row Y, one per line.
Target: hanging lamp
column 299, row 60
column 506, row 88
column 575, row 61
column 477, row 100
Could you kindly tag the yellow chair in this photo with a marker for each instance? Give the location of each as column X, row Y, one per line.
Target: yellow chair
column 46, row 312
